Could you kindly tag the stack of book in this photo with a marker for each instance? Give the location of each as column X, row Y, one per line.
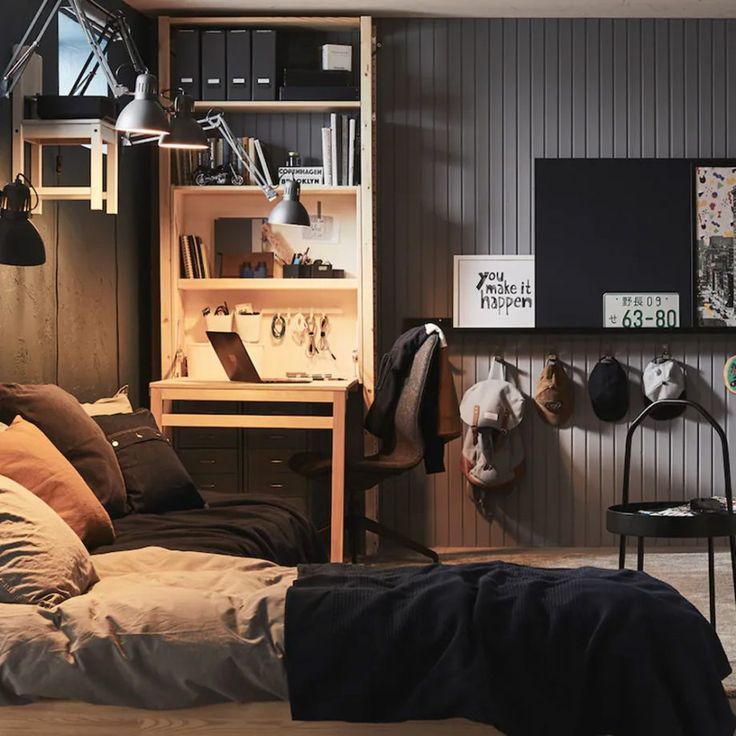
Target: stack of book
column 338, row 151
column 194, row 258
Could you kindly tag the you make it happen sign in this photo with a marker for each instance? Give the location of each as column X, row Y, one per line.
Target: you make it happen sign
column 493, row 291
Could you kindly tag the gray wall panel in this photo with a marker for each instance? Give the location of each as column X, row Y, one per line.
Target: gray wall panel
column 464, row 109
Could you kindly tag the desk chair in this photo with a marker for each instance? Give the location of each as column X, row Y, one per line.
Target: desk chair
column 406, row 453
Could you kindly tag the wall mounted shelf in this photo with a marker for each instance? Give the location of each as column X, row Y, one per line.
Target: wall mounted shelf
column 275, row 284
column 276, row 105
column 240, row 191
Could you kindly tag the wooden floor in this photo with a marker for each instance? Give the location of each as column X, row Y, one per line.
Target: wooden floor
column 80, row 719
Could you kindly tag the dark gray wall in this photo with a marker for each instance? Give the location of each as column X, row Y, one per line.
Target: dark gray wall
column 464, row 108
column 82, row 319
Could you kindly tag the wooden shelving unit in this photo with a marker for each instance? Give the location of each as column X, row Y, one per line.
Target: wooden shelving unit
column 193, row 210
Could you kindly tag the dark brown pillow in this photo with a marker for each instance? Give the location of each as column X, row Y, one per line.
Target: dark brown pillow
column 61, row 418
column 155, row 478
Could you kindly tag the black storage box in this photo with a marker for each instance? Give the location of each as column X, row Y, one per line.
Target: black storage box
column 317, row 78
column 63, row 107
column 293, row 94
column 318, row 271
column 292, row 271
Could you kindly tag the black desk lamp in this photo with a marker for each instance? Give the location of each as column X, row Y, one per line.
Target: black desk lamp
column 20, row 242
column 290, row 211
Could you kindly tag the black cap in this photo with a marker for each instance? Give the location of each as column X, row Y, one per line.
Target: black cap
column 608, row 388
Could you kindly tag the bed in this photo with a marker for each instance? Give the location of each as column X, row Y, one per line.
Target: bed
column 595, row 651
column 256, row 526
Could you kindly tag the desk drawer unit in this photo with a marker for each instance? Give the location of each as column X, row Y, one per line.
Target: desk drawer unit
column 222, row 483
column 210, row 460
column 199, row 437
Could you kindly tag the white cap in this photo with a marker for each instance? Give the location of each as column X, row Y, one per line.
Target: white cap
column 665, row 380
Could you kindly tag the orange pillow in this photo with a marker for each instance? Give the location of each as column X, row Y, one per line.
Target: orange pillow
column 29, row 458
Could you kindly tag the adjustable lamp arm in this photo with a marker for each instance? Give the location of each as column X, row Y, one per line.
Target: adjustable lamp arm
column 217, row 122
column 47, row 11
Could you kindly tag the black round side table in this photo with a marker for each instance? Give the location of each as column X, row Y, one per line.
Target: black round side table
column 626, row 520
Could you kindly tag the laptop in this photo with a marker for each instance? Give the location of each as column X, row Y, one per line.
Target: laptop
column 237, row 363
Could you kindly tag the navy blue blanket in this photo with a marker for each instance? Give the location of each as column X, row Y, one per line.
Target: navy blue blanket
column 530, row 651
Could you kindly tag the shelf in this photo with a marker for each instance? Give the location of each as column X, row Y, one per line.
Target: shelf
column 276, row 105
column 322, row 23
column 307, row 189
column 268, row 284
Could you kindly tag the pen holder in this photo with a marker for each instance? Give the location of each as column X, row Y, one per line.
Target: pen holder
column 292, row 271
column 248, row 326
column 219, row 322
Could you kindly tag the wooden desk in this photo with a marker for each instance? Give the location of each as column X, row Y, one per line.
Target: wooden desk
column 318, row 392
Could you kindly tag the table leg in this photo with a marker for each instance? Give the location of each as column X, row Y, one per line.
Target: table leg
column 337, row 532
column 95, row 170
column 640, row 554
column 622, row 553
column 112, row 177
column 157, row 406
column 711, row 582
column 732, row 541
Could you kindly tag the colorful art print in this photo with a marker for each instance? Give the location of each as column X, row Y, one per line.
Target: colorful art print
column 715, row 214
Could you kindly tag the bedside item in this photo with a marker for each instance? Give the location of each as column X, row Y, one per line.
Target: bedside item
column 664, row 378
column 248, row 326
column 117, row 404
column 29, row 458
column 155, row 479
column 337, row 57
column 278, row 327
column 42, row 561
column 554, row 396
column 62, row 419
column 20, row 242
column 263, row 44
column 608, row 388
column 239, row 86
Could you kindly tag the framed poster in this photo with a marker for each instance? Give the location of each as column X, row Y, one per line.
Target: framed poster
column 715, row 214
column 493, row 291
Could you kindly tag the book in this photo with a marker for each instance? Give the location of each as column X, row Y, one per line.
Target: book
column 203, row 257
column 252, row 154
column 186, row 269
column 344, row 150
column 333, row 147
column 262, row 159
column 192, row 246
column 351, row 153
column 327, row 156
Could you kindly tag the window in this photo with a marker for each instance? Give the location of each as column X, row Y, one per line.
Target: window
column 73, row 52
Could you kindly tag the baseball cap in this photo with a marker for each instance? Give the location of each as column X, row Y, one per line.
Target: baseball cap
column 664, row 379
column 608, row 389
column 554, row 395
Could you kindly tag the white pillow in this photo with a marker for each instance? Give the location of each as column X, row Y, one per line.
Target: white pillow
column 42, row 561
column 118, row 404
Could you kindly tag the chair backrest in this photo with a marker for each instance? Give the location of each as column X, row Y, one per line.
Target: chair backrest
column 408, row 449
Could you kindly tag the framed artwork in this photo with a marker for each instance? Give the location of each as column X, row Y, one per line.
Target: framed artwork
column 715, row 265
column 493, row 291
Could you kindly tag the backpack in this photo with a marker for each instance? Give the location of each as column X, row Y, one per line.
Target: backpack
column 493, row 452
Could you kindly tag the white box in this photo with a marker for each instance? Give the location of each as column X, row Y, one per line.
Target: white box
column 203, row 363
column 337, row 57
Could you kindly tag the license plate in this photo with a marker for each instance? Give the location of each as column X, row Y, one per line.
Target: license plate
column 639, row 310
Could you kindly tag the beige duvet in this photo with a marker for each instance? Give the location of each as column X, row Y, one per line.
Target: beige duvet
column 161, row 629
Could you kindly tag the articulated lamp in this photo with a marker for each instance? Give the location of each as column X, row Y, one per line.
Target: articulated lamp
column 20, row 242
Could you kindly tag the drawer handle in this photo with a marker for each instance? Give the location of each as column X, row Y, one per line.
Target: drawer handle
column 206, row 486
column 276, row 485
column 207, row 462
column 277, row 462
column 276, row 436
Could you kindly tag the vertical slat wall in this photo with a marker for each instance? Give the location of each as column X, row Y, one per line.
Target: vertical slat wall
column 464, row 108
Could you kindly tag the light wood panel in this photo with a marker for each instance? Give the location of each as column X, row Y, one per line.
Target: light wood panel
column 464, row 108
column 277, row 105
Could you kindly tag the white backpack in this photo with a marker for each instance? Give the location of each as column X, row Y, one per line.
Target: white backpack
column 493, row 452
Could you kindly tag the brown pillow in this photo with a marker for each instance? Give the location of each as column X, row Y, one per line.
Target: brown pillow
column 28, row 457
column 42, row 561
column 61, row 418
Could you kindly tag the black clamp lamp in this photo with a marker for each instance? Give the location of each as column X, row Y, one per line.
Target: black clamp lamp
column 20, row 242
column 144, row 114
